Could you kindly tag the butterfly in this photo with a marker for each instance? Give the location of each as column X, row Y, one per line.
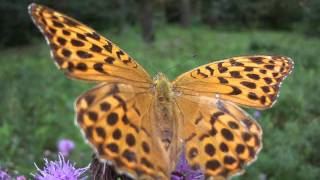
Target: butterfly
column 141, row 124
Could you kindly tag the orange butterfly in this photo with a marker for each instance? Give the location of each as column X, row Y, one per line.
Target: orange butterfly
column 140, row 125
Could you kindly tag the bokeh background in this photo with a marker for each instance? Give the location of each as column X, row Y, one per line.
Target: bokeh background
column 171, row 36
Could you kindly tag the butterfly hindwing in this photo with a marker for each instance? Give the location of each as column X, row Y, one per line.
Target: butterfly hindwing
column 224, row 138
column 84, row 54
column 115, row 119
column 251, row 81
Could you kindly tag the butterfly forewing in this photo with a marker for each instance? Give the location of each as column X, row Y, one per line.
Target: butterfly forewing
column 251, row 81
column 84, row 54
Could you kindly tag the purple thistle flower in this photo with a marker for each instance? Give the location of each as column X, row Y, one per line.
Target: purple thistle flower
column 61, row 169
column 257, row 114
column 4, row 175
column 184, row 171
column 21, row 178
column 65, row 146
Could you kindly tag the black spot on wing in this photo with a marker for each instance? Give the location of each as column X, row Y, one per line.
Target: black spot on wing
column 235, row 91
column 248, row 84
column 210, row 70
column 84, row 54
column 77, row 43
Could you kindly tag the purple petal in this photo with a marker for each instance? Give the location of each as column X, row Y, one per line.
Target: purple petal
column 65, row 146
column 182, row 164
column 257, row 114
column 60, row 169
column 176, row 176
column 21, row 178
column 4, row 175
column 184, row 172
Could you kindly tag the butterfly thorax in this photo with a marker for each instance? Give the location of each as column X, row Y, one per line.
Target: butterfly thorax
column 165, row 119
column 163, row 91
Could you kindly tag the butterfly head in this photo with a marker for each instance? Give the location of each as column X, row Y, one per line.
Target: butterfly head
column 162, row 87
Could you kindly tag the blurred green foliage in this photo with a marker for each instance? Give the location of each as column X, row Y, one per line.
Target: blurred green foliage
column 272, row 14
column 312, row 19
column 37, row 99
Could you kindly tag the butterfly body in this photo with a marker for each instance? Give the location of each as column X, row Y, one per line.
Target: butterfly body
column 140, row 125
column 165, row 121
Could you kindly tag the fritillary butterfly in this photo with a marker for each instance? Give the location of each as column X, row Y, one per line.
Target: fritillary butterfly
column 140, row 124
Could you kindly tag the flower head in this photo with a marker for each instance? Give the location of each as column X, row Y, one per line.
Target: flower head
column 257, row 114
column 60, row 169
column 65, row 146
column 184, row 171
column 21, row 178
column 4, row 175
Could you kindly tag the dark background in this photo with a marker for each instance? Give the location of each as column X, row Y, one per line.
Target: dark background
column 288, row 15
column 36, row 107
